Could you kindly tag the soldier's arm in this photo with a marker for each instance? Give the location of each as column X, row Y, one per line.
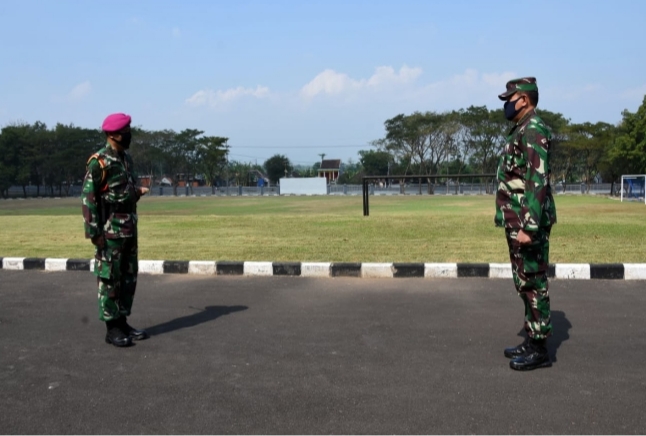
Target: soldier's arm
column 139, row 190
column 535, row 144
column 90, row 196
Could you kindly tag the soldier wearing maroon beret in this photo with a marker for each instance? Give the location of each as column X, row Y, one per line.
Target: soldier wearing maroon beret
column 110, row 195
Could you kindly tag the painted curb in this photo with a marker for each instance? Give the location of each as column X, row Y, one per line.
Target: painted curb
column 202, row 268
column 55, row 264
column 78, row 265
column 402, row 270
column 262, row 269
column 228, row 268
column 561, row 271
column 315, row 269
column 441, row 270
column 377, row 270
column 15, row 263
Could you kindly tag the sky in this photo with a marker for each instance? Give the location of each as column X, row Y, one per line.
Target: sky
column 302, row 78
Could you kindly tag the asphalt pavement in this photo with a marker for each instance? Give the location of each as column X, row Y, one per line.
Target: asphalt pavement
column 293, row 355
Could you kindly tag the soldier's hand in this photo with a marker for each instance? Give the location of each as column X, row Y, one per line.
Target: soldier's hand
column 99, row 241
column 524, row 238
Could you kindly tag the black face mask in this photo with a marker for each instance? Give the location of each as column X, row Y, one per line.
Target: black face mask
column 510, row 109
column 126, row 137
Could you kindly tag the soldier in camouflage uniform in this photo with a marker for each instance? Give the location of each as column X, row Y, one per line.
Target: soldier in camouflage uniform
column 525, row 208
column 109, row 207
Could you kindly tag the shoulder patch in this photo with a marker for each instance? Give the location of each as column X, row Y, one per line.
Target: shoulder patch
column 101, row 160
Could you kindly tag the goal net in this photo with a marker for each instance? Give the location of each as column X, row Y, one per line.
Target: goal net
column 633, row 187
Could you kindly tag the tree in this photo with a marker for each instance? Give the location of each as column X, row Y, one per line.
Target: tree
column 375, row 162
column 32, row 154
column 173, row 155
column 444, row 143
column 304, row 170
column 351, row 172
column 563, row 159
column 630, row 146
column 212, row 154
column 590, row 142
column 188, row 142
column 315, row 167
column 37, row 152
column 404, row 137
column 73, row 146
column 611, row 165
column 277, row 166
column 12, row 152
column 415, row 140
column 485, row 136
column 146, row 152
column 239, row 171
column 10, row 156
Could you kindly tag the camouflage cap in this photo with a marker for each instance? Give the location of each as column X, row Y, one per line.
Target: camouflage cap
column 522, row 84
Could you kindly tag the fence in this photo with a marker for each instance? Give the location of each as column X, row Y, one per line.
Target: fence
column 454, row 183
column 374, row 189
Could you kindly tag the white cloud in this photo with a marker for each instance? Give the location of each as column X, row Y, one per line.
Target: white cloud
column 497, row 80
column 80, row 91
column 635, row 93
column 385, row 75
column 464, row 89
column 571, row 93
column 209, row 97
column 472, row 80
column 331, row 82
column 176, row 32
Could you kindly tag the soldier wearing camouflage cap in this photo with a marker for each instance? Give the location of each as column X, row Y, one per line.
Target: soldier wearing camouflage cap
column 525, row 208
column 110, row 195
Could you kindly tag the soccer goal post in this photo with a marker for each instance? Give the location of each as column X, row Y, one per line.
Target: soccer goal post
column 633, row 187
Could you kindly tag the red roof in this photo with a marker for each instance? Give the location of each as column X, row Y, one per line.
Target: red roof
column 330, row 164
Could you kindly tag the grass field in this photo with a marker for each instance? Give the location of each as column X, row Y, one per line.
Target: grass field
column 329, row 228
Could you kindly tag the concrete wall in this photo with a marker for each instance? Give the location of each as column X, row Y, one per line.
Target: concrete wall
column 306, row 185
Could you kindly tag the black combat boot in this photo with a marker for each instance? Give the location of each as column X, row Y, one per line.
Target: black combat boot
column 115, row 335
column 535, row 357
column 518, row 350
column 131, row 332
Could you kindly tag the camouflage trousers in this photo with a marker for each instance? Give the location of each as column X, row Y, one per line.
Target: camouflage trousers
column 529, row 265
column 116, row 268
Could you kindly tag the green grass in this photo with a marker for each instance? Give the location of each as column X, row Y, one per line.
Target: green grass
column 329, row 228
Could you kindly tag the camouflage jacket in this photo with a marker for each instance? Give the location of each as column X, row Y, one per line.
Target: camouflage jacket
column 109, row 196
column 524, row 197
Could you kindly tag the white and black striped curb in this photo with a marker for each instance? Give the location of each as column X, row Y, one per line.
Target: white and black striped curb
column 584, row 271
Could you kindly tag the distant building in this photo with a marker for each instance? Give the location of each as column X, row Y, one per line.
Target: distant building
column 194, row 181
column 259, row 178
column 146, row 181
column 330, row 169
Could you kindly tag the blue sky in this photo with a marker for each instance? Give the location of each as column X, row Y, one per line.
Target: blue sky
column 303, row 78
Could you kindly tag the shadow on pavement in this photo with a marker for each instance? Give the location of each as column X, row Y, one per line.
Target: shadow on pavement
column 209, row 313
column 560, row 332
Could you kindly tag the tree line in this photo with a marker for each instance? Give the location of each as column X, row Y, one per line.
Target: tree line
column 469, row 141
column 32, row 154
column 465, row 141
